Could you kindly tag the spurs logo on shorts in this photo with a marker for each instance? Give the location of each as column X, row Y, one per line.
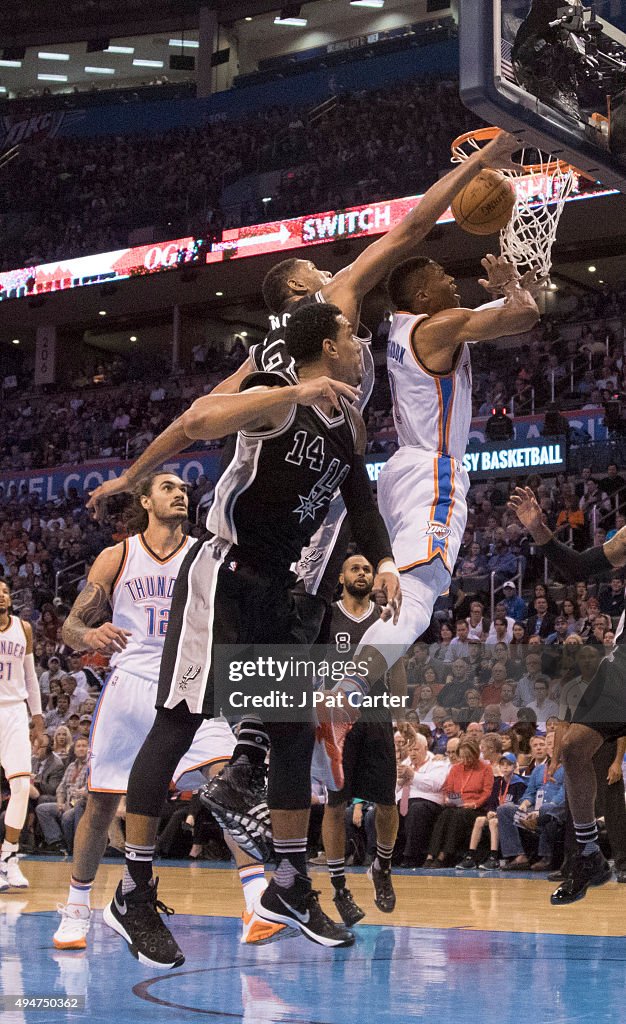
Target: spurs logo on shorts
column 190, row 674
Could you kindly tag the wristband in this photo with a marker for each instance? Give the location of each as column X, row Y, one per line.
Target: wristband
column 388, row 565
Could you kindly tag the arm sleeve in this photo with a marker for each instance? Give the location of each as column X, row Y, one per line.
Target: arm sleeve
column 367, row 524
column 32, row 685
column 576, row 565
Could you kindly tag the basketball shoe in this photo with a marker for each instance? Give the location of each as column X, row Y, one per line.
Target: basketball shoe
column 384, row 895
column 298, row 906
column 11, row 874
column 257, row 932
column 237, row 799
column 75, row 922
column 585, row 872
column 348, row 910
column 135, row 916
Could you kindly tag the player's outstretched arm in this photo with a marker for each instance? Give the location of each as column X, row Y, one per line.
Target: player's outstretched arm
column 573, row 565
column 217, row 415
column 436, row 339
column 348, row 286
column 92, row 604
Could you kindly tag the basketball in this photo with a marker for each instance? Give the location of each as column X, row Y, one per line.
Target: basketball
column 485, row 205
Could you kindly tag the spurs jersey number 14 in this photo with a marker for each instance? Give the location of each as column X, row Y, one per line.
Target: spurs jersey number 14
column 431, row 411
column 141, row 599
column 12, row 654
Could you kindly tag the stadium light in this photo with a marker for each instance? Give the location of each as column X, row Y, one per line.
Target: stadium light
column 52, row 78
column 3, row 88
column 219, row 294
column 119, row 49
column 138, row 63
column 133, row 337
column 189, row 44
column 100, row 71
column 591, row 269
column 45, row 55
column 102, row 312
column 15, row 341
column 10, row 63
column 367, row 3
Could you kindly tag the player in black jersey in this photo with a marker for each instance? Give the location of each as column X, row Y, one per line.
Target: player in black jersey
column 369, row 757
column 296, row 444
column 601, row 712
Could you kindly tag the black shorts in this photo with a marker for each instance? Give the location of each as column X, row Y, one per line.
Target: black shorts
column 220, row 598
column 369, row 765
column 312, row 612
column 603, row 705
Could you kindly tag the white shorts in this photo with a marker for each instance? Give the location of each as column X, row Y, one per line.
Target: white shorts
column 123, row 718
column 422, row 498
column 15, row 752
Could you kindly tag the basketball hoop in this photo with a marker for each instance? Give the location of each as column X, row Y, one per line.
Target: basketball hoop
column 540, row 189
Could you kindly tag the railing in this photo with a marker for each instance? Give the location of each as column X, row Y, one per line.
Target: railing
column 493, row 590
column 58, row 576
column 532, row 403
column 16, row 596
column 600, row 516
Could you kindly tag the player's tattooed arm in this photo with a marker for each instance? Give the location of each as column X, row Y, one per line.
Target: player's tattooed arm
column 80, row 629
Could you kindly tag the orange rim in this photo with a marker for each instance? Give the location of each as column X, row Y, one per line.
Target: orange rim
column 486, row 134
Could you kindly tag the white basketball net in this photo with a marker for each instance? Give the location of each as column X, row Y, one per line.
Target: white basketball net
column 528, row 237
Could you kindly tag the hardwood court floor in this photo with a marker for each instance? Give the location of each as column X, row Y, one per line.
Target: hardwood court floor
column 469, row 949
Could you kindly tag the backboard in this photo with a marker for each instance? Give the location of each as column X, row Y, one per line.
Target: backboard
column 552, row 72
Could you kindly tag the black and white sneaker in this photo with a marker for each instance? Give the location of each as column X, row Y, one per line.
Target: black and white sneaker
column 299, row 907
column 237, row 799
column 384, row 895
column 467, row 864
column 584, row 873
column 349, row 911
column 490, row 864
column 136, row 918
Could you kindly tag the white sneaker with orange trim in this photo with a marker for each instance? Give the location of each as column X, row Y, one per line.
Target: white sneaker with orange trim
column 75, row 922
column 257, row 932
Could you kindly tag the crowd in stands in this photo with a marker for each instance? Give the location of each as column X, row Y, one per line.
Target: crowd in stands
column 98, row 189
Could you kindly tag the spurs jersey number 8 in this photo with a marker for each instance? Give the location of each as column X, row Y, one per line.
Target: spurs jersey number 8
column 431, row 411
column 141, row 599
column 12, row 654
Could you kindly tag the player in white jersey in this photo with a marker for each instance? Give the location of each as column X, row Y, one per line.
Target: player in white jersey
column 18, row 685
column 135, row 580
column 422, row 488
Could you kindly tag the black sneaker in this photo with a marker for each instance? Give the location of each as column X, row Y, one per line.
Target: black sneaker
column 589, row 871
column 490, row 864
column 467, row 864
column 349, row 911
column 237, row 799
column 385, row 897
column 136, row 918
column 299, row 906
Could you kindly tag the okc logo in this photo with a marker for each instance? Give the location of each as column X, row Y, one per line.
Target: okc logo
column 437, row 530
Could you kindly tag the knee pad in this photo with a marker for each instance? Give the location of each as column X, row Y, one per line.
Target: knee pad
column 17, row 807
column 419, row 593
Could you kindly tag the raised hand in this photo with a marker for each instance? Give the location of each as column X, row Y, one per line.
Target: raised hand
column 526, row 508
column 499, row 152
column 98, row 498
column 500, row 273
